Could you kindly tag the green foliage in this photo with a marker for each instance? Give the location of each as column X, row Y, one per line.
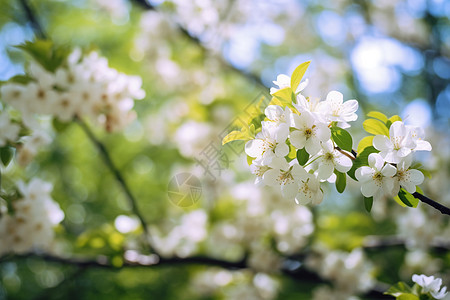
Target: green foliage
column 398, row 289
column 298, row 74
column 364, row 143
column 378, row 115
column 361, row 160
column 245, row 134
column 375, row 127
column 302, row 156
column 368, row 202
column 342, row 138
column 46, row 53
column 406, row 199
column 341, row 181
column 6, row 155
column 283, row 97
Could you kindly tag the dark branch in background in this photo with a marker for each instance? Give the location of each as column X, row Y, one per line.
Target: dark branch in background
column 298, row 273
column 34, row 23
column 250, row 76
column 117, row 174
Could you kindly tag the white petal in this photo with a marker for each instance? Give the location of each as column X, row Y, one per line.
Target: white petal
column 397, row 129
column 382, row 143
column 376, row 161
column 270, row 176
column 298, row 172
column 364, row 174
column 297, row 139
column 388, row 170
column 335, row 96
column 415, row 176
column 402, row 152
column 325, row 170
column 254, row 148
column 343, row 163
column 409, row 186
column 312, row 145
column 369, row 188
column 281, row 150
column 302, row 85
column 273, row 112
column 323, row 133
column 289, row 190
column 423, row 146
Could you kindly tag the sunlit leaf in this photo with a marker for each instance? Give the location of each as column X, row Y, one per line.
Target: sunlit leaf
column 364, row 143
column 378, row 115
column 398, row 289
column 46, row 53
column 283, row 97
column 407, row 199
column 298, row 74
column 6, row 155
column 375, row 127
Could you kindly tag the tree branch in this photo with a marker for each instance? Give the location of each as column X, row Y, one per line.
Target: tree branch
column 250, row 76
column 35, row 25
column 299, row 273
column 118, row 175
column 443, row 209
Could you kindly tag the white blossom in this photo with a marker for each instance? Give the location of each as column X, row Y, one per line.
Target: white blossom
column 283, row 81
column 418, row 135
column 430, row 285
column 335, row 109
column 407, row 178
column 279, row 118
column 287, row 176
column 331, row 159
column 377, row 179
column 309, row 191
column 308, row 133
column 398, row 145
column 9, row 131
column 268, row 144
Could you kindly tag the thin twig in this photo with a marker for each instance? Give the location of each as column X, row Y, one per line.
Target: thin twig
column 117, row 174
column 250, row 76
column 35, row 25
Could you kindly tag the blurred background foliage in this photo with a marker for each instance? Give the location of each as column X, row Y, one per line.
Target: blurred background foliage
column 202, row 63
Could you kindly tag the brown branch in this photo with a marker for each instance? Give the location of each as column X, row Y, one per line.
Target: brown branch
column 298, row 273
column 443, row 209
column 35, row 25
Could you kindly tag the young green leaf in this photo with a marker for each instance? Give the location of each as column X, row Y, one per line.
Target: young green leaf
column 377, row 115
column 298, row 74
column 368, row 202
column 302, row 156
column 341, row 181
column 398, row 289
column 6, row 154
column 342, row 138
column 46, row 53
column 364, row 143
column 407, row 198
column 282, row 97
column 375, row 127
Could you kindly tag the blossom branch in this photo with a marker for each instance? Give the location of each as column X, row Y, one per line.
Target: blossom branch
column 443, row 209
column 35, row 25
column 117, row 174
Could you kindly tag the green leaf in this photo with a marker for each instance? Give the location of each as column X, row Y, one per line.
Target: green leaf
column 298, row 74
column 368, row 202
column 395, row 118
column 6, row 154
column 282, row 97
column 341, row 181
column 46, row 53
column 377, row 115
column 375, row 127
column 364, row 143
column 398, row 289
column 59, row 126
column 407, row 199
column 361, row 160
column 302, row 156
column 342, row 138
column 250, row 160
column 21, row 79
column 246, row 133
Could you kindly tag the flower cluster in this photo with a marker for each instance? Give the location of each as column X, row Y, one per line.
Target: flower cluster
column 302, row 126
column 83, row 86
column 31, row 224
column 430, row 285
column 390, row 169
